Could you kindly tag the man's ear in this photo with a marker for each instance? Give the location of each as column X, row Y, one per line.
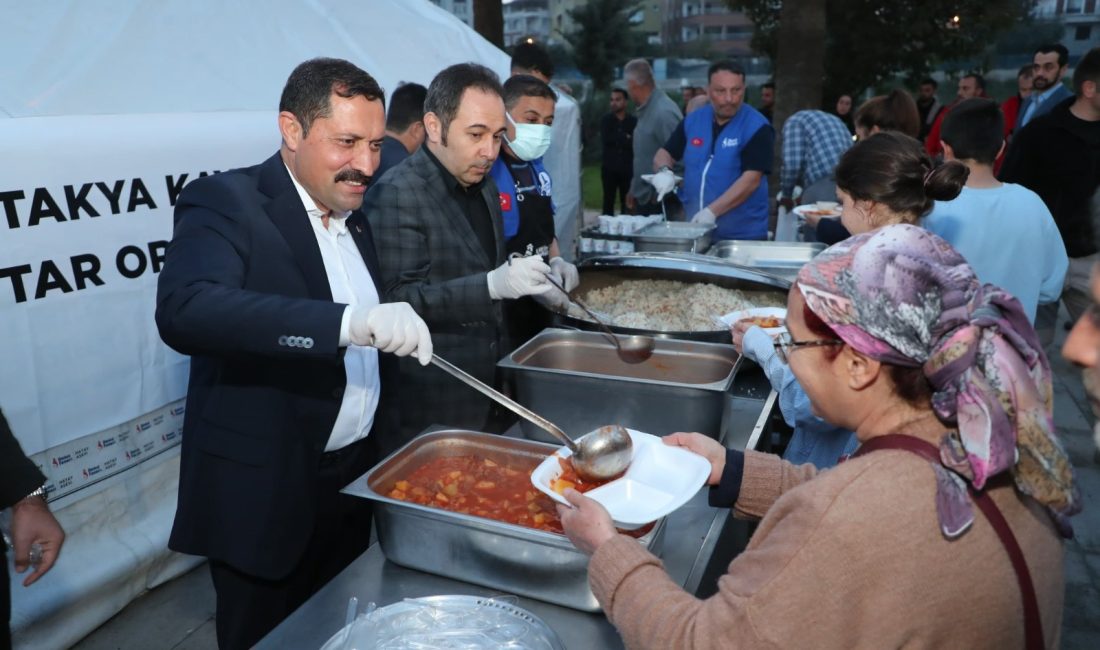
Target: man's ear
column 948, row 151
column 433, row 127
column 291, row 130
column 862, row 371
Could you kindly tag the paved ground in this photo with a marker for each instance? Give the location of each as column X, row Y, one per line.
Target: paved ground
column 180, row 614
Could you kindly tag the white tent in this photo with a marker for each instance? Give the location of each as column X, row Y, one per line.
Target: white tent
column 107, row 108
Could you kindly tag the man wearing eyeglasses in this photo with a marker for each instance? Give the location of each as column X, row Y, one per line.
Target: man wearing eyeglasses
column 814, row 440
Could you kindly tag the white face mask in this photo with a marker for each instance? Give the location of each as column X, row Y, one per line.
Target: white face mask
column 532, row 140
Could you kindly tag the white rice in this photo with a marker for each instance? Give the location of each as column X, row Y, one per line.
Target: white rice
column 670, row 306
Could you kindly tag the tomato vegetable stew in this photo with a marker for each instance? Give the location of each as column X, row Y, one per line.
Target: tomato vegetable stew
column 482, row 487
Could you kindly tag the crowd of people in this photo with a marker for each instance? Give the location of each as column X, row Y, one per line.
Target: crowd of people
column 312, row 290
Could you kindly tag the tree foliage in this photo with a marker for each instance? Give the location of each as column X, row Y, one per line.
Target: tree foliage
column 603, row 38
column 869, row 41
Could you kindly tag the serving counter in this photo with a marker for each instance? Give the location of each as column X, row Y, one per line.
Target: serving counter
column 700, row 543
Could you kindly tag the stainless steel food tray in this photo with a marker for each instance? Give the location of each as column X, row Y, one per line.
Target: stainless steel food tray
column 673, row 236
column 784, row 259
column 515, row 559
column 609, row 270
column 577, row 381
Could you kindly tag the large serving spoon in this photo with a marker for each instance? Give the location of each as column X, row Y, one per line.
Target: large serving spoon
column 631, row 349
column 598, row 455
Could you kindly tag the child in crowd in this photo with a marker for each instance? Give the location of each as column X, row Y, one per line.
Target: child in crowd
column 1004, row 231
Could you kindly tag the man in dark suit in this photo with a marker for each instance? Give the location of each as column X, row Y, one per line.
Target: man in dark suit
column 1047, row 91
column 404, row 125
column 437, row 220
column 269, row 284
column 22, row 488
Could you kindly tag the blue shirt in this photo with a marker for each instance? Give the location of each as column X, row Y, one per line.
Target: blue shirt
column 1010, row 239
column 814, row 440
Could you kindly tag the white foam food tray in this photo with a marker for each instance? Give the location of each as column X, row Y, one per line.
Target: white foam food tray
column 660, row 479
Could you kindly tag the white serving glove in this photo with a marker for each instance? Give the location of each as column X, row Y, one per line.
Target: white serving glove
column 565, row 273
column 391, row 327
column 663, row 181
column 519, row 276
column 704, row 217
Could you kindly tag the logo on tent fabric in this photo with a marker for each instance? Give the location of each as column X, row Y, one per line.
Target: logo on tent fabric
column 696, row 142
column 57, row 461
column 505, row 201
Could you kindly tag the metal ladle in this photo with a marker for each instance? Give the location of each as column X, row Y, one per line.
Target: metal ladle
column 631, row 349
column 598, row 455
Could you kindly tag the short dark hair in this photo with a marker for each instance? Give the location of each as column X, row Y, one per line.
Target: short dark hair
column 1088, row 69
column 894, row 169
column 446, row 90
column 975, row 130
column 724, row 65
column 626, row 96
column 770, row 84
column 978, row 79
column 531, row 57
column 1026, row 70
column 929, row 81
column 309, row 89
column 894, row 112
column 406, row 107
column 524, row 85
column 1063, row 53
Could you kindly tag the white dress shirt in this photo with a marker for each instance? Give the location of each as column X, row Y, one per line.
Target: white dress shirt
column 351, row 284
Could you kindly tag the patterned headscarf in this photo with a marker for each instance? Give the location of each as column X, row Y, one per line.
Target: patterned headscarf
column 905, row 297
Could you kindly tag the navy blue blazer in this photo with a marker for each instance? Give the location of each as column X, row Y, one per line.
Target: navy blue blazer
column 1057, row 97
column 243, row 291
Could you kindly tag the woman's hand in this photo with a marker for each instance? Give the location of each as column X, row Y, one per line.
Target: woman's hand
column 708, row 448
column 585, row 522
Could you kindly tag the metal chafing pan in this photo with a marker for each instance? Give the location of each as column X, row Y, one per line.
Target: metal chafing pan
column 782, row 259
column 515, row 559
column 577, row 381
column 605, row 271
column 673, row 236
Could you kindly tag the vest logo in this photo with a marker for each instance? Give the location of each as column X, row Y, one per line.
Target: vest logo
column 730, row 142
column 505, row 201
column 696, row 142
column 544, row 183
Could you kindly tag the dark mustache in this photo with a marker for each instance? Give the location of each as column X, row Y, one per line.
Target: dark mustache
column 353, row 175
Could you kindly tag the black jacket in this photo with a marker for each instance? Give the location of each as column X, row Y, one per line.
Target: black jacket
column 18, row 475
column 1057, row 156
column 618, row 143
column 242, row 280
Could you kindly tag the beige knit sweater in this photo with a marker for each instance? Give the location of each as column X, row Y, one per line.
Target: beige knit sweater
column 851, row 559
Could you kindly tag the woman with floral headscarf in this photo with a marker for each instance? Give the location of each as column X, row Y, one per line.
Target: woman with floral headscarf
column 944, row 528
